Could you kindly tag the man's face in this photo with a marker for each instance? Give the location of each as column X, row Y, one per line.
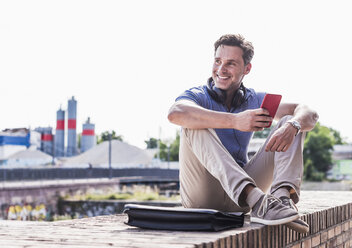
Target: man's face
column 229, row 68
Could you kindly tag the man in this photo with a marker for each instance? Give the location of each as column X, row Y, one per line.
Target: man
column 217, row 122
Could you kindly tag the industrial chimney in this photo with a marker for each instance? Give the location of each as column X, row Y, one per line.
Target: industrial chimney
column 71, row 125
column 60, row 133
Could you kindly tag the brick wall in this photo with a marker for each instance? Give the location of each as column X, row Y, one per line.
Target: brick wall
column 328, row 228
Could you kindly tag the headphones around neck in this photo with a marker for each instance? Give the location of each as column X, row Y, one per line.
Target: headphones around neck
column 219, row 95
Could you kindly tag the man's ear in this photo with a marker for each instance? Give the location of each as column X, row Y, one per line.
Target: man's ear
column 247, row 68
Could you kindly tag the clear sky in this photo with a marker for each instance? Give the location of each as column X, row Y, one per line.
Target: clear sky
column 126, row 61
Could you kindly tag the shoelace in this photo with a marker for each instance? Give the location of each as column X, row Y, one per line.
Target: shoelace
column 265, row 204
column 293, row 205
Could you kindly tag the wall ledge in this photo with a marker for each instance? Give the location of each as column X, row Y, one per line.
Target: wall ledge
column 329, row 214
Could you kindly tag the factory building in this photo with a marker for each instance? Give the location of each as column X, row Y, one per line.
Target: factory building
column 88, row 139
column 71, row 128
column 13, row 141
column 16, row 140
column 60, row 134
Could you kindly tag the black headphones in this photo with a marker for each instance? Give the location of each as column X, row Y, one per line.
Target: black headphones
column 219, row 95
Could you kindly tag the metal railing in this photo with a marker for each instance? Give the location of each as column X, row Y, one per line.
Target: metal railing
column 17, row 174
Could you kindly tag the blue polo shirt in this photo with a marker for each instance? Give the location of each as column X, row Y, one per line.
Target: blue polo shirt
column 235, row 141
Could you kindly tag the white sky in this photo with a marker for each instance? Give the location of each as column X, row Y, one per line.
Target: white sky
column 126, row 61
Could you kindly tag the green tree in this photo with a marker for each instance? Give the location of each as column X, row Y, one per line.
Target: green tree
column 337, row 136
column 317, row 152
column 152, row 143
column 105, row 137
column 173, row 148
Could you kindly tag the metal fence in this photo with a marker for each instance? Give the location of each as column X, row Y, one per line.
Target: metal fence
column 81, row 173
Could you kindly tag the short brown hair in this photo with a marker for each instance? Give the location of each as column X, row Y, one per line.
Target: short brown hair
column 239, row 41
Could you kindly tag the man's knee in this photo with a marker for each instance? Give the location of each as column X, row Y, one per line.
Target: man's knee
column 284, row 119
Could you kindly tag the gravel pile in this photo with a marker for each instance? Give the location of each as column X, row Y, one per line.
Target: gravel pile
column 122, row 154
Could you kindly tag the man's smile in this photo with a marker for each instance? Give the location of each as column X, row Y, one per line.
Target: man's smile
column 223, row 77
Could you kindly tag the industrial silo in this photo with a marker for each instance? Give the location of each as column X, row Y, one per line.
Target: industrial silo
column 88, row 139
column 46, row 140
column 71, row 127
column 60, row 134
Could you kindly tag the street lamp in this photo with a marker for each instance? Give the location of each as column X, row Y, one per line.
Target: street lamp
column 168, row 145
column 110, row 170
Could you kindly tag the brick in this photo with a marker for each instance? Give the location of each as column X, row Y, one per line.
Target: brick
column 234, row 241
column 331, row 233
column 269, row 236
column 279, row 236
column 345, row 226
column 307, row 243
column 288, row 236
column 260, row 239
column 263, row 238
column 339, row 239
column 332, row 243
column 251, row 241
column 240, row 240
column 228, row 241
column 312, row 222
column 245, row 240
column 297, row 245
column 221, row 243
column 337, row 230
column 346, row 236
column 323, row 237
column 316, row 240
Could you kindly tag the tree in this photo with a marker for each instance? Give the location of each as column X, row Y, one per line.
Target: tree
column 317, row 152
column 337, row 136
column 105, row 137
column 152, row 143
column 174, row 148
column 168, row 149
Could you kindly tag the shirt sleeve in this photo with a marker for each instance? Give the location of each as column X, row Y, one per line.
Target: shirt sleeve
column 197, row 95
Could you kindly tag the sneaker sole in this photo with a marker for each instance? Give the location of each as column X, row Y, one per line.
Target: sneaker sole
column 274, row 222
column 298, row 226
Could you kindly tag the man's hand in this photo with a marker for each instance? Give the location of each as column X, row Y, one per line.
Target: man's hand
column 252, row 120
column 281, row 139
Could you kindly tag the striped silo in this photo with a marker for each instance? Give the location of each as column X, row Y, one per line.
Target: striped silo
column 71, row 127
column 60, row 134
column 46, row 140
column 88, row 139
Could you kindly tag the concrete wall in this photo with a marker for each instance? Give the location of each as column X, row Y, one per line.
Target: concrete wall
column 17, row 195
column 81, row 209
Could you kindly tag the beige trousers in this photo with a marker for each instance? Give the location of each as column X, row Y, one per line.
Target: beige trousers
column 211, row 178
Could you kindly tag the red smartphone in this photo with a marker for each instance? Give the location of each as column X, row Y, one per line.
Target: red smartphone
column 271, row 103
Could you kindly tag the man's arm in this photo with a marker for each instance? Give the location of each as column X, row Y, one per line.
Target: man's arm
column 283, row 137
column 301, row 113
column 188, row 114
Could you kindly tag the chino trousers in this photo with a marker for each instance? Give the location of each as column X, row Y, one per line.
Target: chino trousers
column 211, row 178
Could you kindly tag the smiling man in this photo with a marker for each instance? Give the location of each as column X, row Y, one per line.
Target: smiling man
column 218, row 120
